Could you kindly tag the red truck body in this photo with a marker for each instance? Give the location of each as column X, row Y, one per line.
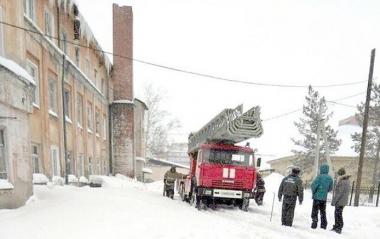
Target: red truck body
column 220, row 172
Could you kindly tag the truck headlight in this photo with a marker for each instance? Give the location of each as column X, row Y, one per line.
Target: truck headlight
column 246, row 195
column 207, row 192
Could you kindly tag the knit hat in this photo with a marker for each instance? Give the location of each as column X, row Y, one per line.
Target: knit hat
column 341, row 172
column 296, row 170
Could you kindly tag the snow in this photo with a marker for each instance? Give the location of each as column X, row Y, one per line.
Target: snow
column 125, row 208
column 4, row 184
column 122, row 102
column 147, row 170
column 16, row 69
column 344, row 133
column 83, row 179
column 72, row 179
column 96, row 179
column 140, row 159
column 39, row 178
column 58, row 180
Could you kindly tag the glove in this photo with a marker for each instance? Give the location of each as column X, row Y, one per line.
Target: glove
column 300, row 203
column 279, row 199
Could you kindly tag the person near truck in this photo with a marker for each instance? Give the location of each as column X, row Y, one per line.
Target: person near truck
column 260, row 190
column 320, row 187
column 290, row 189
column 340, row 199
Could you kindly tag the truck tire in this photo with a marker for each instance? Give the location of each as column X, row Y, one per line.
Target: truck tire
column 182, row 193
column 244, row 205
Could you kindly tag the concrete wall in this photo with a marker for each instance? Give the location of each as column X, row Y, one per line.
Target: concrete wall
column 15, row 103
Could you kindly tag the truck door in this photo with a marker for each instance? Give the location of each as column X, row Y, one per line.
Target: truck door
column 198, row 167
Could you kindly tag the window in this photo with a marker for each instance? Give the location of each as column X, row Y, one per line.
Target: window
column 89, row 166
column 64, row 42
column 36, row 158
column 53, row 105
column 96, row 77
column 80, row 110
column 97, row 122
column 70, row 163
column 55, row 160
column 102, row 86
column 67, row 98
column 80, row 166
column 77, row 59
column 104, row 127
column 87, row 69
column 33, row 71
column 3, row 161
column 90, row 120
column 29, row 8
column 1, row 34
column 49, row 24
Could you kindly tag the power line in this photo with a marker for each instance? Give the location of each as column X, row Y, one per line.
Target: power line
column 183, row 70
column 334, row 101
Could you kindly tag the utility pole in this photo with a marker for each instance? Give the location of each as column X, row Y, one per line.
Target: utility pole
column 64, row 120
column 316, row 161
column 364, row 134
column 327, row 151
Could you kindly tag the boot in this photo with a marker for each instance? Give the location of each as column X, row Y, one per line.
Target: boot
column 314, row 225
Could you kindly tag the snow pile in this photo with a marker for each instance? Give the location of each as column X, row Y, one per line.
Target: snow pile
column 96, row 179
column 16, row 69
column 39, row 178
column 73, row 179
column 147, row 170
column 58, row 181
column 4, row 184
column 83, row 179
column 272, row 182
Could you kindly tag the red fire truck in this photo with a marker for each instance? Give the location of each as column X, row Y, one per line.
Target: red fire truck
column 220, row 171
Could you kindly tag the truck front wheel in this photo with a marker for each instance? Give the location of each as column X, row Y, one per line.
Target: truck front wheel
column 244, row 204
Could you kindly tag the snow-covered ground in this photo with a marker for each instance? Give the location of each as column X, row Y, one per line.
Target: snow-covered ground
column 123, row 208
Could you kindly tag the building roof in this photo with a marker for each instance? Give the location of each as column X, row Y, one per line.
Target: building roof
column 166, row 163
column 16, row 69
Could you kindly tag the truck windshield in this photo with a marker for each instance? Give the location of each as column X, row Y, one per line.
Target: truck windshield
column 228, row 157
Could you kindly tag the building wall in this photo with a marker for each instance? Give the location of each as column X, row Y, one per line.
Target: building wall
column 46, row 128
column 349, row 163
column 15, row 103
column 158, row 172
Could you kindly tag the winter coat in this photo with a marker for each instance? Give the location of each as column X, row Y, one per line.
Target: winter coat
column 171, row 176
column 260, row 185
column 342, row 191
column 322, row 184
column 291, row 186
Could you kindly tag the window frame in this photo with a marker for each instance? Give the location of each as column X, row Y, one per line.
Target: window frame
column 90, row 117
column 68, row 112
column 53, row 110
column 49, row 16
column 97, row 122
column 36, row 156
column 79, row 107
column 30, row 9
column 57, row 163
column 3, row 152
column 36, row 96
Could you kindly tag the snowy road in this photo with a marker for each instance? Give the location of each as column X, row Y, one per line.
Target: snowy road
column 126, row 209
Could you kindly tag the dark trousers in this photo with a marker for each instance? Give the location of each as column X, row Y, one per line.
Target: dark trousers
column 319, row 206
column 338, row 218
column 288, row 206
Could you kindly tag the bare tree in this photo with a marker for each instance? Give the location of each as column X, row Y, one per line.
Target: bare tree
column 159, row 122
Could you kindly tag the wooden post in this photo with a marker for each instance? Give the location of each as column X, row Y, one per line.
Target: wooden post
column 352, row 191
column 316, row 160
column 364, row 134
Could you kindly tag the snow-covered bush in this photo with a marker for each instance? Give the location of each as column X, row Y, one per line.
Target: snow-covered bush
column 73, row 179
column 58, row 181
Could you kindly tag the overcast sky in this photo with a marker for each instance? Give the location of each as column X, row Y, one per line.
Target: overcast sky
column 273, row 41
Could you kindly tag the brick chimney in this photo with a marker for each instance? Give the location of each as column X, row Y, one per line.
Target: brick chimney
column 122, row 107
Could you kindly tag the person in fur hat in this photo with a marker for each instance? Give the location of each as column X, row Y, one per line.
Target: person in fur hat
column 340, row 199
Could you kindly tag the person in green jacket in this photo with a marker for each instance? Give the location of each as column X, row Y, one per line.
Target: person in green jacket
column 320, row 187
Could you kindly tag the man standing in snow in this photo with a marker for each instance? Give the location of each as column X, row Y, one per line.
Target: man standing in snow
column 291, row 187
column 340, row 199
column 320, row 187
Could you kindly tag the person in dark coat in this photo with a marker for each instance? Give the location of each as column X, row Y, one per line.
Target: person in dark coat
column 320, row 187
column 291, row 188
column 340, row 199
column 260, row 190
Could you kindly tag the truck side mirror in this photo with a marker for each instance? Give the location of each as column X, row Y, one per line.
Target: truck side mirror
column 258, row 162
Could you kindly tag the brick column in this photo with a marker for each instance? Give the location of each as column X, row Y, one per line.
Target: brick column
column 122, row 108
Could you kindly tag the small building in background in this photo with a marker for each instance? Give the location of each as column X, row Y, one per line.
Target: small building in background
column 160, row 166
column 345, row 157
column 177, row 153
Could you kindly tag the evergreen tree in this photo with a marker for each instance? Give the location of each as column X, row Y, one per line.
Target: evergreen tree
column 307, row 127
column 372, row 147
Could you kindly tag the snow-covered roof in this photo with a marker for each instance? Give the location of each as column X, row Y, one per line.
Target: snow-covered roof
column 140, row 159
column 4, row 184
column 166, row 162
column 344, row 134
column 16, row 69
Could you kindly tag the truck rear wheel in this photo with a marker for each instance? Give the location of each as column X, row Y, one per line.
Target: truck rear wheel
column 244, row 204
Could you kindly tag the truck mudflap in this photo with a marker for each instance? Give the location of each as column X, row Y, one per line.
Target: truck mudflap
column 225, row 193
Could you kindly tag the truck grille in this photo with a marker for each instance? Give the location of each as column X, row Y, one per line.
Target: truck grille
column 227, row 183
